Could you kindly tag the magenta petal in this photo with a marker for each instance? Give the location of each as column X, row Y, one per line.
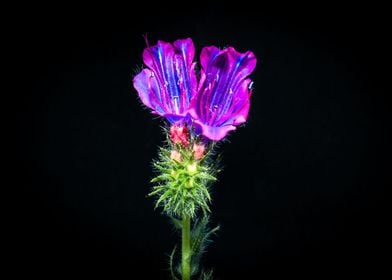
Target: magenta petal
column 148, row 89
column 170, row 82
column 207, row 55
column 223, row 97
column 186, row 49
column 185, row 53
column 236, row 112
column 214, row 133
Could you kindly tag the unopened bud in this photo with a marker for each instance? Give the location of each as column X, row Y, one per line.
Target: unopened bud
column 198, row 151
column 179, row 135
column 192, row 168
column 175, row 155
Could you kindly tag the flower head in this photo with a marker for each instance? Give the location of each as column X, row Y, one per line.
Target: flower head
column 216, row 104
column 223, row 97
column 169, row 82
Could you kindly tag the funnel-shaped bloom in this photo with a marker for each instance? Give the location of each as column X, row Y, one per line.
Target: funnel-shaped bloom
column 217, row 104
column 169, row 83
column 222, row 101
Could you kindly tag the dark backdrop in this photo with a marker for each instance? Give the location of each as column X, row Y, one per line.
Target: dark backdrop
column 302, row 192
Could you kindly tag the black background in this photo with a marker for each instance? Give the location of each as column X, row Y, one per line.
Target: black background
column 302, row 192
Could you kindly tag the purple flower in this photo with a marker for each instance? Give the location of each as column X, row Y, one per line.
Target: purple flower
column 217, row 104
column 169, row 83
column 223, row 97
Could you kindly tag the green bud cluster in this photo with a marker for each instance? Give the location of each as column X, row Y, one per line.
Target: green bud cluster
column 182, row 183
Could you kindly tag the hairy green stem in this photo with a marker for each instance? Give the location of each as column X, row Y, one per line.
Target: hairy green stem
column 186, row 248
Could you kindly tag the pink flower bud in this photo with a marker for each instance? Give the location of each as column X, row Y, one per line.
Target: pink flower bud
column 198, row 151
column 179, row 135
column 175, row 155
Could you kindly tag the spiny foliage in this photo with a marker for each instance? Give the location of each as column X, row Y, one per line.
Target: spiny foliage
column 200, row 238
column 206, row 275
column 182, row 186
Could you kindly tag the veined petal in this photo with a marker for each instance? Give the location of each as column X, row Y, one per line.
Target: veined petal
column 173, row 79
column 207, row 55
column 223, row 95
column 186, row 49
column 185, row 53
column 214, row 133
column 236, row 112
column 147, row 86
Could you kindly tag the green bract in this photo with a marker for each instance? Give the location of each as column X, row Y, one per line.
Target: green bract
column 182, row 185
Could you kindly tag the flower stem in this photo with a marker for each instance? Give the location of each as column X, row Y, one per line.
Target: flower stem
column 186, row 248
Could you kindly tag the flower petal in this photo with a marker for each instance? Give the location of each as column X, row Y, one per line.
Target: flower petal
column 214, row 133
column 185, row 53
column 223, row 95
column 174, row 78
column 148, row 89
column 236, row 111
column 207, row 55
column 186, row 49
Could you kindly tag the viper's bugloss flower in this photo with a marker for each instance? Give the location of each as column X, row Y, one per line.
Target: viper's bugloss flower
column 215, row 105
column 198, row 111
column 169, row 83
column 223, row 97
